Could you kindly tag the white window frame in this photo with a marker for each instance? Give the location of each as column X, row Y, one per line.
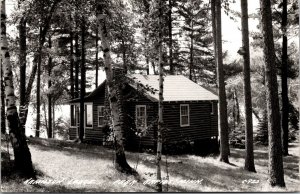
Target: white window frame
column 188, row 114
column 136, row 108
column 85, row 115
column 98, row 107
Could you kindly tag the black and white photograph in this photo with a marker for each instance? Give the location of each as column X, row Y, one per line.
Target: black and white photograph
column 149, row 96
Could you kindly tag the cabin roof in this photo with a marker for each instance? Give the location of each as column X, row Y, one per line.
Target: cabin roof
column 89, row 95
column 176, row 88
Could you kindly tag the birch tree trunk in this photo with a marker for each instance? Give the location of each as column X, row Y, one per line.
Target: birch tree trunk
column 22, row 155
column 249, row 159
column 3, row 124
column 214, row 27
column 192, row 52
column 276, row 174
column 160, row 104
column 114, row 97
column 224, row 139
column 170, row 38
column 146, row 35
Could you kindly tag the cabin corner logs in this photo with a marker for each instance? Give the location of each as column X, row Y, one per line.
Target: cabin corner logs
column 199, row 135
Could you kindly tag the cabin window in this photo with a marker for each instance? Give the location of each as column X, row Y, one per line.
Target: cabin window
column 100, row 116
column 88, row 115
column 141, row 116
column 184, row 115
column 212, row 108
column 74, row 115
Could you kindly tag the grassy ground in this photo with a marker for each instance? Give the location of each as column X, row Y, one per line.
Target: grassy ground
column 70, row 167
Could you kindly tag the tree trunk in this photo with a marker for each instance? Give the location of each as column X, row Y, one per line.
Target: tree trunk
column 72, row 63
column 3, row 124
column 50, row 94
column 276, row 174
column 237, row 107
column 45, row 116
column 114, row 97
column 234, row 111
column 22, row 61
column 284, row 84
column 72, row 59
column 77, row 58
column 24, row 110
column 170, row 38
column 146, row 53
column 82, row 81
column 53, row 118
column 22, row 154
column 191, row 52
column 97, row 60
column 38, row 89
column 147, row 66
column 124, row 56
column 214, row 28
column 160, row 104
column 224, row 141
column 153, row 66
column 249, row 159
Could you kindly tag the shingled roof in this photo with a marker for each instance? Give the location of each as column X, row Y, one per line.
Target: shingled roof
column 176, row 88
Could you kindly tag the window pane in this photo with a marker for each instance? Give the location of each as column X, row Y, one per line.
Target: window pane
column 184, row 114
column 88, row 115
column 142, row 113
column 101, row 121
column 100, row 115
column 100, row 111
column 140, row 116
column 141, row 122
column 185, row 120
column 184, row 110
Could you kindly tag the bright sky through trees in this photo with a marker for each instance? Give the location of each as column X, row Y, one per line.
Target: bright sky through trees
column 231, row 33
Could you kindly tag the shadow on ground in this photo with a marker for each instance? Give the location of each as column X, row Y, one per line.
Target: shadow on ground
column 214, row 175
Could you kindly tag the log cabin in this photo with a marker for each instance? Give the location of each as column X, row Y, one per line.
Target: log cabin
column 190, row 113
